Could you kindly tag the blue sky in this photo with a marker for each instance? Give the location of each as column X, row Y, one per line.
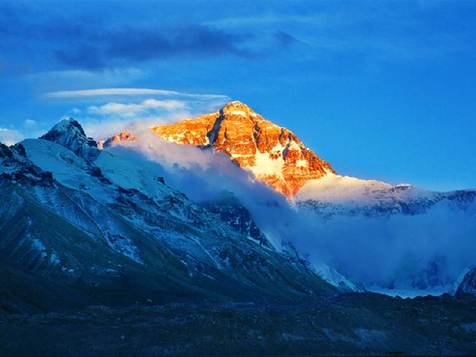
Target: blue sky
column 381, row 89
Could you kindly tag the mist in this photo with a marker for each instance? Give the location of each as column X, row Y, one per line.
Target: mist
column 402, row 251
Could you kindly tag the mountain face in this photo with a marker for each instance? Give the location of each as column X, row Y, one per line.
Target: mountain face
column 229, row 209
column 275, row 155
column 107, row 228
column 70, row 134
column 106, row 201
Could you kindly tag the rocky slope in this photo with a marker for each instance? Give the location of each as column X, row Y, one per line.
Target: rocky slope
column 275, row 155
column 70, row 134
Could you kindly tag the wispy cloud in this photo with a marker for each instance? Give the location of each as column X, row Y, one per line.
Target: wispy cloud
column 137, row 108
column 128, row 92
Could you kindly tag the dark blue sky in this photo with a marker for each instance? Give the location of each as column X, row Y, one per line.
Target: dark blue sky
column 381, row 89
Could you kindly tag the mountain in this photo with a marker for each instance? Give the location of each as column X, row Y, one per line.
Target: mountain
column 277, row 157
column 99, row 227
column 70, row 134
column 100, row 235
column 120, row 201
column 230, row 210
column 274, row 154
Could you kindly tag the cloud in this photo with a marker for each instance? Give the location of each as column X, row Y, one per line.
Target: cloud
column 105, row 112
column 110, row 118
column 401, row 251
column 30, row 123
column 76, row 42
column 134, row 107
column 128, row 92
column 105, row 121
column 201, row 40
column 10, row 136
column 60, row 37
column 29, row 128
column 137, row 108
column 103, row 117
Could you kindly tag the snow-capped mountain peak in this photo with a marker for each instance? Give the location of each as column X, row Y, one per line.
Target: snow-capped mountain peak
column 70, row 134
column 275, row 155
column 238, row 108
column 123, row 136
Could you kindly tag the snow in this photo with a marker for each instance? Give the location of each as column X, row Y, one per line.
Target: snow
column 126, row 169
column 70, row 134
column 333, row 277
column 265, row 165
column 336, row 188
column 54, row 259
column 124, row 246
column 410, row 293
column 292, row 145
column 53, row 157
column 238, row 112
column 38, row 245
column 302, row 163
column 68, row 168
column 277, row 149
